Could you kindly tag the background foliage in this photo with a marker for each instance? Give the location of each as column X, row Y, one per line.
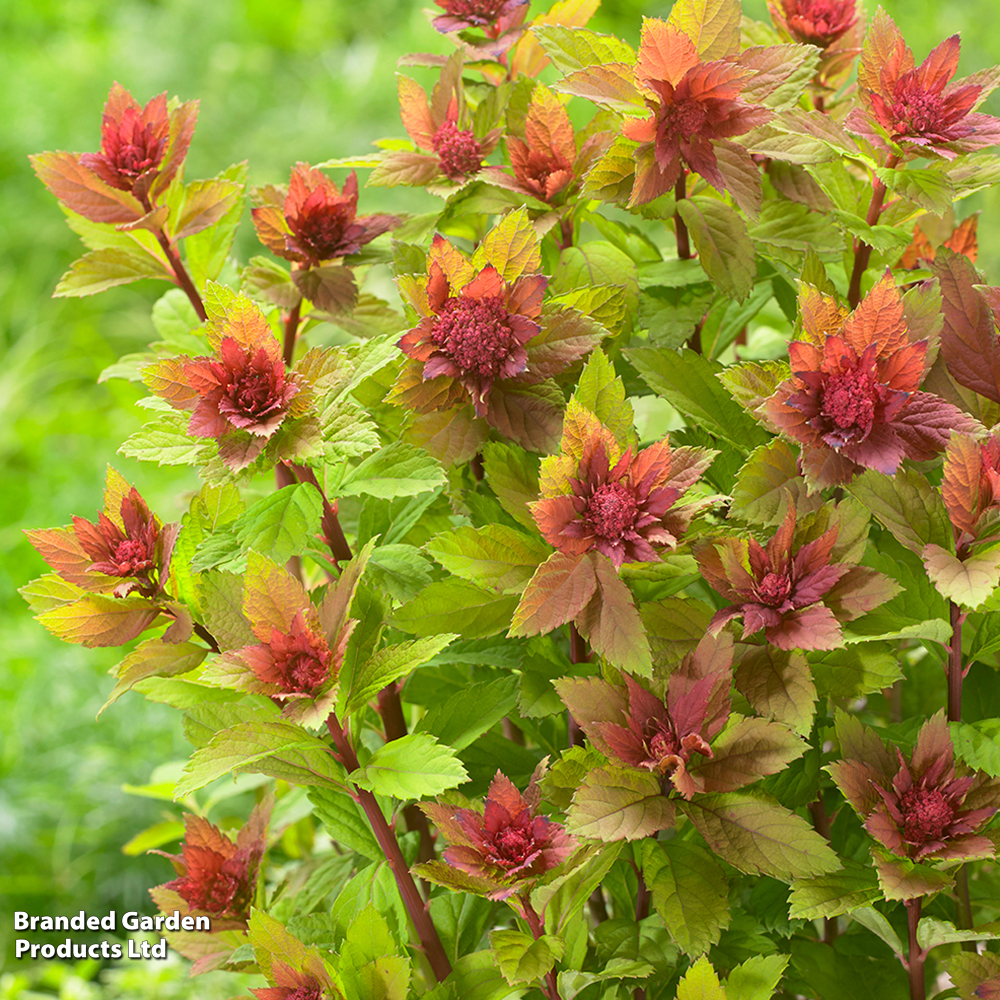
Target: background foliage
column 278, row 82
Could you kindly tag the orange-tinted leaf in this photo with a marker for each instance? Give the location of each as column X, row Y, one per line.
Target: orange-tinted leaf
column 778, row 683
column 712, row 25
column 884, row 55
column 183, row 119
column 167, row 380
column 547, row 126
column 511, row 246
column 879, row 318
column 455, row 266
column 528, row 58
column 205, row 202
column 451, row 436
column 95, row 620
column 609, row 85
column 272, row 596
column 960, row 487
column 964, row 239
column 415, row 112
column 83, row 191
column 560, row 589
column 61, row 549
column 665, row 52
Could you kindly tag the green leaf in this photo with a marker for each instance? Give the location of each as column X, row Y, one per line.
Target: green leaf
column 831, row 895
column 712, row 25
column 616, row 803
column 454, row 603
column 611, row 177
column 876, row 922
column 153, row 837
column 757, row 978
column 563, row 895
column 415, row 766
column 166, row 442
column 370, row 966
column 858, row 670
column 397, row 470
column 386, row 666
column 689, row 892
column 987, row 638
column 900, row 878
column 155, row 658
column 96, row 620
column 700, row 982
column 399, row 570
column 883, row 238
column 577, row 48
column 756, row 834
column 671, row 314
column 930, row 189
column 965, row 581
column 978, row 744
column 281, row 524
column 725, row 250
column 767, row 483
column 511, row 246
column 602, row 392
column 596, row 263
column 101, row 269
column 494, row 556
column 790, row 225
column 687, row 380
column 931, row 933
column 276, row 748
column 512, row 474
column 345, row 822
column 522, row 959
column 778, row 683
column 208, row 250
column 468, row 713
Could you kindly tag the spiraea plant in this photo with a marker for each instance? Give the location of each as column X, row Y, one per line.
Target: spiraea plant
column 611, row 611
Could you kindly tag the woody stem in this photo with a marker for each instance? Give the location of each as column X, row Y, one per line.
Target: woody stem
column 916, row 956
column 681, row 230
column 332, row 531
column 642, row 900
column 415, row 906
column 291, row 333
column 390, row 709
column 963, row 916
column 551, row 988
column 863, row 252
column 180, row 272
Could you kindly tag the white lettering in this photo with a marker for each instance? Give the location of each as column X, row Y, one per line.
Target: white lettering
column 108, row 922
column 93, row 923
column 20, row 947
column 20, row 921
column 130, row 921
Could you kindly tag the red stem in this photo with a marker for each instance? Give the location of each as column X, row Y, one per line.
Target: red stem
column 863, row 253
column 415, row 906
column 551, row 988
column 333, row 533
column 291, row 333
column 203, row 633
column 916, row 956
column 180, row 272
column 683, row 243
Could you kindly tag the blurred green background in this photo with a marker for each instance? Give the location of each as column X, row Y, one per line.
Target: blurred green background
column 279, row 81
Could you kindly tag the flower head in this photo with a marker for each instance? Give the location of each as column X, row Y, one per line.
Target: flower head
column 853, row 401
column 694, row 105
column 814, row 22
column 506, row 844
column 546, row 162
column 598, row 497
column 665, row 736
column 126, row 551
column 921, row 808
column 789, row 591
column 142, row 149
column 315, row 221
column 290, row 985
column 242, row 393
column 217, row 876
column 496, row 16
column 971, row 488
column 299, row 650
column 919, row 111
column 443, row 126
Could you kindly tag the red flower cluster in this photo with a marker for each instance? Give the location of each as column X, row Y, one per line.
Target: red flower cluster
column 694, row 104
column 493, row 15
column 790, row 593
column 217, row 876
column 290, row 985
column 617, row 503
column 315, row 221
column 814, row 22
column 918, row 808
column 142, row 149
column 297, row 663
column 506, row 844
column 853, row 399
column 128, row 549
column 242, row 390
column 919, row 109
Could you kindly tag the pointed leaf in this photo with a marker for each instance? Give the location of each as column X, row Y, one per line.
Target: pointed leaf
column 559, row 591
column 967, row 582
column 757, row 978
column 493, row 556
column 724, row 248
column 523, row 959
column 397, row 470
column 855, row 885
column 101, row 269
column 94, row 620
column 778, row 683
column 155, row 658
column 454, row 603
column 282, row 524
column 713, row 26
column 700, row 982
column 415, row 766
column 511, row 247
column 616, row 803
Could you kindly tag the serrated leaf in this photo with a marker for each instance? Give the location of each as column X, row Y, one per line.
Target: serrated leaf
column 455, row 603
column 965, row 581
column 154, row 658
column 577, row 48
column 468, row 713
column 101, row 269
column 345, row 822
column 511, row 247
column 700, row 982
column 166, row 442
column 757, row 978
column 276, row 748
column 900, row 878
column 725, row 250
column 512, row 474
column 978, row 744
column 689, row 891
column 208, row 250
column 616, row 803
column 768, row 482
column 396, row 470
column 523, row 959
column 778, row 683
column 493, row 556
column 713, row 26
column 270, row 941
column 756, row 834
column 415, row 766
column 387, row 665
column 281, row 524
column 602, row 392
column 687, row 380
column 95, row 620
column 831, row 895
column 931, row 933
